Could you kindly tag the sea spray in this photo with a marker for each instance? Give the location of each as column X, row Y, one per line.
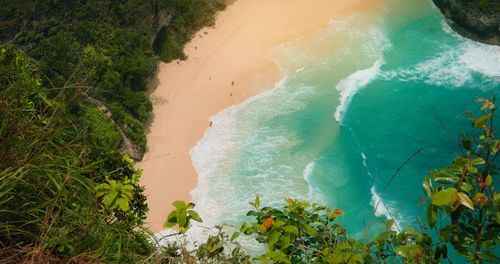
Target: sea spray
column 352, row 84
column 457, row 64
column 456, row 67
column 314, row 194
column 380, row 209
column 232, row 149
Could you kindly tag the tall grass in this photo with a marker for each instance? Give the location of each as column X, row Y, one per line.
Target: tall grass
column 47, row 178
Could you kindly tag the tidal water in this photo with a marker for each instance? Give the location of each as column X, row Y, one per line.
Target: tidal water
column 360, row 97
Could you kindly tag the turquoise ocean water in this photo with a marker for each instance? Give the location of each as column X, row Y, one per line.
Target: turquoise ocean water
column 359, row 98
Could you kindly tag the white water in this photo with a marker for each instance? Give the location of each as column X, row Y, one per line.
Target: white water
column 352, row 84
column 380, row 209
column 456, row 66
column 308, row 170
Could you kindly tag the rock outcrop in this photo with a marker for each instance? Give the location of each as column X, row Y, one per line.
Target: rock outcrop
column 478, row 20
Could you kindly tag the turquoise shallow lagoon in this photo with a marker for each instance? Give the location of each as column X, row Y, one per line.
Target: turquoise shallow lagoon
column 359, row 98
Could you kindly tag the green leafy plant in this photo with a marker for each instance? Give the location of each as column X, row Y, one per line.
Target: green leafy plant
column 302, row 232
column 182, row 216
column 115, row 195
column 462, row 195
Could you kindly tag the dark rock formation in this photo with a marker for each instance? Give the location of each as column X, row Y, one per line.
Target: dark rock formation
column 478, row 20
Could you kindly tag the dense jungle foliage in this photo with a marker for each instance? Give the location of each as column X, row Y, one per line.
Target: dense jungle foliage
column 109, row 48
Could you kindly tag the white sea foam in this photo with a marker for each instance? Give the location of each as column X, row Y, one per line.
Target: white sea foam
column 481, row 58
column 380, row 209
column 364, row 159
column 475, row 56
column 368, row 31
column 378, row 205
column 454, row 66
column 308, row 170
column 349, row 86
column 236, row 158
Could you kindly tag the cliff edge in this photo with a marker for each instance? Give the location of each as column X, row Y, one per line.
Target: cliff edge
column 478, row 20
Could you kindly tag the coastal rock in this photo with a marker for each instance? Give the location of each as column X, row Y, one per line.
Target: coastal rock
column 477, row 20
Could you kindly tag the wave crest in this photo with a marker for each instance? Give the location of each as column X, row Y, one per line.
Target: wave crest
column 349, row 86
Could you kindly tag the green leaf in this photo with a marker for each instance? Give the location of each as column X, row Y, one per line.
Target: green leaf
column 477, row 161
column 257, row 201
column 465, row 200
column 235, row 236
column 285, row 241
column 279, row 223
column 427, row 187
column 179, row 204
column 488, row 180
column 447, row 180
column 481, row 121
column 103, row 187
column 409, row 251
column 291, row 229
column 259, row 228
column 448, row 175
column 466, row 187
column 123, row 204
column 273, row 238
column 128, row 187
column 171, row 220
column 109, row 200
column 195, row 216
column 444, row 197
column 181, row 217
column 310, row 230
column 432, row 215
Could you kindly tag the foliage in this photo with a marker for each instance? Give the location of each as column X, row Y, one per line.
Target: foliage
column 464, row 194
column 302, row 232
column 102, row 133
column 48, row 201
column 115, row 195
column 182, row 216
column 187, row 18
column 109, row 48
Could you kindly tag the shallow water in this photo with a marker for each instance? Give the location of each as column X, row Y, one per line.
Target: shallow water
column 359, row 99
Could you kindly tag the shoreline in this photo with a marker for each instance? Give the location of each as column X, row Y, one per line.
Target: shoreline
column 226, row 65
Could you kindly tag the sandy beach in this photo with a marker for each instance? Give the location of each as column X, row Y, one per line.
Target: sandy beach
column 226, row 64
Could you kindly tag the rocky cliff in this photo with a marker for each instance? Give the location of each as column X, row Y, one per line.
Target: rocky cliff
column 475, row 19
